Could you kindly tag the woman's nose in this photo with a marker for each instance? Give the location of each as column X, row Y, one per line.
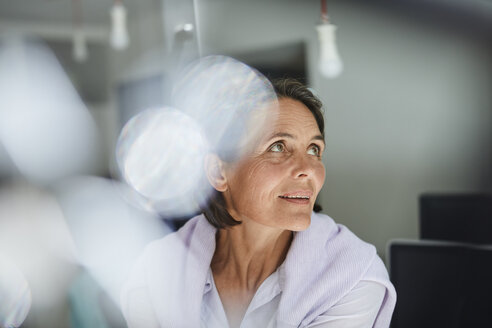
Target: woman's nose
column 302, row 166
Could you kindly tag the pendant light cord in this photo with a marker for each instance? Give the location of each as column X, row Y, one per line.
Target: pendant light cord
column 324, row 12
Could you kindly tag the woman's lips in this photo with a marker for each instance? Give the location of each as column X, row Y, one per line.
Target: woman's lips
column 301, row 197
column 300, row 201
column 298, row 193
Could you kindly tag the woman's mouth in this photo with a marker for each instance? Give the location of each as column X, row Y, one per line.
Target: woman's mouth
column 295, row 197
column 296, row 200
column 300, row 197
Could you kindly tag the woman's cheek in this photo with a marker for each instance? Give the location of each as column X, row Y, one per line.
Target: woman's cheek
column 320, row 175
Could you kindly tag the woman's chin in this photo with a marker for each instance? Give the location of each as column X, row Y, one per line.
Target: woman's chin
column 300, row 223
column 280, row 220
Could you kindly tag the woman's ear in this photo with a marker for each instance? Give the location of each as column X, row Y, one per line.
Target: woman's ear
column 214, row 169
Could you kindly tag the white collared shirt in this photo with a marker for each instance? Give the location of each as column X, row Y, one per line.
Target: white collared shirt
column 329, row 279
column 358, row 309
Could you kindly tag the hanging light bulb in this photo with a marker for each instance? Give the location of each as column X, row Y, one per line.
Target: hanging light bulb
column 119, row 32
column 79, row 50
column 330, row 63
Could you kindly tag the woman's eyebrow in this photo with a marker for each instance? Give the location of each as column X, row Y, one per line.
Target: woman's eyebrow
column 319, row 137
column 290, row 136
column 281, row 135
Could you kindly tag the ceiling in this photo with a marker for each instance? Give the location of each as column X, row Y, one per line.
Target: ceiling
column 97, row 11
column 60, row 11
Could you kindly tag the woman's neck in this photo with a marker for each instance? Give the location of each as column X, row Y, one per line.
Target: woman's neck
column 249, row 253
column 245, row 255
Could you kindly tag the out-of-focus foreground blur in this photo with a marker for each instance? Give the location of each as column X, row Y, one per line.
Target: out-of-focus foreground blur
column 409, row 115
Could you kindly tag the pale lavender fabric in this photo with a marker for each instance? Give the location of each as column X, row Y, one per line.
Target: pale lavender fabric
column 324, row 263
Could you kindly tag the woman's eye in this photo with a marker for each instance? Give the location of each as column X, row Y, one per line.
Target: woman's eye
column 314, row 150
column 277, row 147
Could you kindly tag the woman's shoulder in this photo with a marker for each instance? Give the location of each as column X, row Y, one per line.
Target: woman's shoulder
column 334, row 261
column 174, row 265
column 195, row 237
column 340, row 247
column 188, row 249
column 196, row 228
column 326, row 246
column 327, row 235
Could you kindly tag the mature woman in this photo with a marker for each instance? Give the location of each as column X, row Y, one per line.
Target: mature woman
column 259, row 256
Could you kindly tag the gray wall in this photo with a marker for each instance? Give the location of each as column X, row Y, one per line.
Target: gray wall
column 411, row 114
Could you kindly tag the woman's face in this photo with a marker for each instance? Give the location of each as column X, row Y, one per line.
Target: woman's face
column 277, row 183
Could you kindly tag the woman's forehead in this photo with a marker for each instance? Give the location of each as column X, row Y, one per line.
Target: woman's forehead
column 287, row 119
column 291, row 120
column 294, row 117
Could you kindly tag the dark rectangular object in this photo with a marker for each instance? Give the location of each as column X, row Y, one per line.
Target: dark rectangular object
column 441, row 284
column 456, row 217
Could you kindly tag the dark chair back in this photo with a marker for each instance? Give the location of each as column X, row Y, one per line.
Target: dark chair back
column 441, row 284
column 456, row 217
